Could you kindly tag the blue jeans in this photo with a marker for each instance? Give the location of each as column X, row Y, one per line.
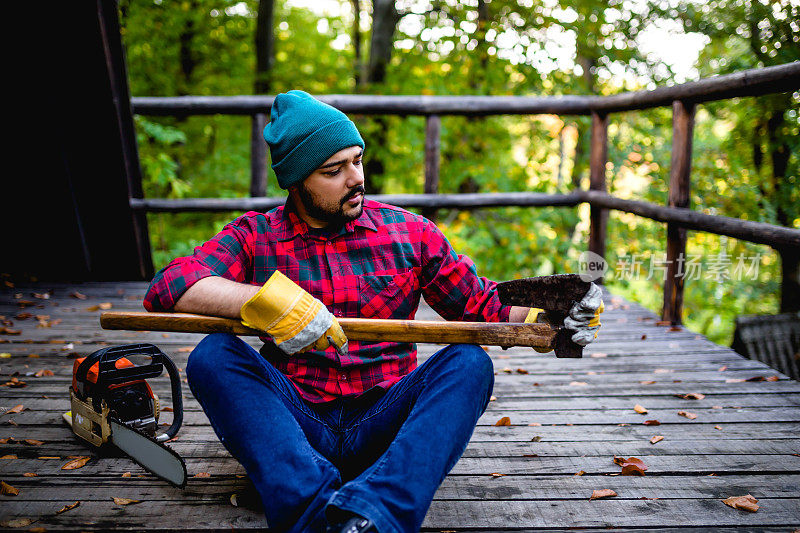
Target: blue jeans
column 382, row 455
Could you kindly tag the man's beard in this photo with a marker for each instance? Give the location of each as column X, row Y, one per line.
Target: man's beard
column 335, row 216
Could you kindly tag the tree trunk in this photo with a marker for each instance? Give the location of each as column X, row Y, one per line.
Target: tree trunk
column 186, row 54
column 357, row 65
column 265, row 52
column 384, row 22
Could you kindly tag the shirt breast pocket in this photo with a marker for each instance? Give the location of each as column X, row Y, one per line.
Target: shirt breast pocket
column 390, row 296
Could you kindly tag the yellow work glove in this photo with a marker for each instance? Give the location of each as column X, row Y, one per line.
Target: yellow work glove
column 536, row 315
column 584, row 317
column 295, row 320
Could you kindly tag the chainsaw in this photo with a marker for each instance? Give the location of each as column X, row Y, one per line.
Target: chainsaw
column 113, row 405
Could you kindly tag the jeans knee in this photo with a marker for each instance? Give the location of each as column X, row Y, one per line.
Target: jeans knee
column 206, row 357
column 473, row 362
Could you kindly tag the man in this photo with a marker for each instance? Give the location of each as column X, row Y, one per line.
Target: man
column 337, row 435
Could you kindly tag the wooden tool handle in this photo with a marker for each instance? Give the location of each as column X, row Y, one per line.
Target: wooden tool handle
column 361, row 329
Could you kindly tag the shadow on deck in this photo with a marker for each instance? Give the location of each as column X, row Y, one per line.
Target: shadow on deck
column 567, row 416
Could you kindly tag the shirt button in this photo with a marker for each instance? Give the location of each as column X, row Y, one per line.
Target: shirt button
column 343, row 377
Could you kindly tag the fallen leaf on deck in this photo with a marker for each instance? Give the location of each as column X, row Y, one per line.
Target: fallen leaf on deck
column 9, row 456
column 656, row 438
column 652, row 423
column 521, row 371
column 773, row 378
column 632, row 470
column 718, row 427
column 598, row 355
column 9, row 331
column 202, row 474
column 68, row 507
column 639, row 409
column 602, row 493
column 621, row 461
column 662, row 371
column 125, row 501
column 505, row 421
column 716, row 407
column 7, row 489
column 33, row 442
column 746, row 502
column 185, row 349
column 580, row 472
column 5, row 355
column 691, row 396
column 756, row 378
column 644, row 336
column 18, row 522
column 578, row 383
column 507, row 370
column 234, row 500
column 30, row 474
column 44, row 372
column 15, row 383
column 535, row 424
column 126, row 474
column 676, row 328
column 663, row 323
column 537, row 438
column 647, row 382
column 76, row 463
column 41, row 295
column 734, row 380
column 496, row 474
column 687, row 414
column 23, row 316
column 78, row 295
column 16, row 409
column 48, row 457
column 492, row 398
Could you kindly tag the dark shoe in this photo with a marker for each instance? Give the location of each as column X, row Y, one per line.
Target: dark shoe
column 357, row 524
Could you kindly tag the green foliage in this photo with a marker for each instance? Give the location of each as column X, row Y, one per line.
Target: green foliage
column 507, row 47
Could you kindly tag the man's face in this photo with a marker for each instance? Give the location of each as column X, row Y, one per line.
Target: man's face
column 334, row 193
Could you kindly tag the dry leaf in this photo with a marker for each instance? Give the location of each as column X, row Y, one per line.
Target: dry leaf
column 602, row 493
column 580, row 472
column 125, row 501
column 18, row 522
column 773, row 378
column 756, row 378
column 507, row 370
column 16, row 409
column 723, row 368
column 632, row 470
column 621, row 461
column 68, row 507
column 202, row 474
column 76, row 463
column 718, row 427
column 521, row 371
column 48, row 457
column 537, row 438
column 126, row 474
column 495, row 474
column 505, row 421
column 652, row 423
column 647, row 382
column 662, row 371
column 734, row 380
column 33, row 442
column 598, row 355
column 78, row 295
column 234, row 500
column 44, row 372
column 687, row 414
column 492, row 398
column 9, row 456
column 5, row 355
column 746, row 503
column 639, row 409
column 30, row 474
column 7, row 489
column 656, row 438
column 691, row 396
column 535, row 424
column 578, row 383
column 185, row 349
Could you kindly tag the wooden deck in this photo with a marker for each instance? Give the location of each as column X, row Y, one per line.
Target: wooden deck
column 566, row 416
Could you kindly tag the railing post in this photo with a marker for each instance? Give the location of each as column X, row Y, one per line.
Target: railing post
column 433, row 126
column 679, row 189
column 258, row 156
column 598, row 216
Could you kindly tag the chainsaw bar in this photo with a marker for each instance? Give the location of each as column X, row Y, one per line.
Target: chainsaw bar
column 153, row 456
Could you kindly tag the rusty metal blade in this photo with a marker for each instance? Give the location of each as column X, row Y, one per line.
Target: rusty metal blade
column 552, row 293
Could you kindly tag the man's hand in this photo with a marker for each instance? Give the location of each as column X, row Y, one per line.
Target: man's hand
column 584, row 317
column 295, row 320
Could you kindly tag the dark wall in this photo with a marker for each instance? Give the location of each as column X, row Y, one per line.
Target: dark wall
column 75, row 157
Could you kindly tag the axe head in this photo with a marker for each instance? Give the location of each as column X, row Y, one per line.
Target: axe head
column 555, row 294
column 552, row 293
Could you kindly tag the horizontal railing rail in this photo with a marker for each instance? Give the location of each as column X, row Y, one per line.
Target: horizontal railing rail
column 676, row 214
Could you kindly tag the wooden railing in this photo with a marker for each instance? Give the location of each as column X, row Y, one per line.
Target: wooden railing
column 679, row 218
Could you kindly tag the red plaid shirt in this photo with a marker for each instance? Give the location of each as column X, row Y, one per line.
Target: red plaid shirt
column 375, row 267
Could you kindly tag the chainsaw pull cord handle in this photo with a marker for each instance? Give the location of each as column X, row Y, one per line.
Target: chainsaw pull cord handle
column 177, row 401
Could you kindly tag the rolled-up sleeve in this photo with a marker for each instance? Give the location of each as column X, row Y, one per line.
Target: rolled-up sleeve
column 451, row 285
column 228, row 254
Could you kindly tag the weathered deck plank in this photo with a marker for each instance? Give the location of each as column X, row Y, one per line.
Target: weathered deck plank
column 566, row 416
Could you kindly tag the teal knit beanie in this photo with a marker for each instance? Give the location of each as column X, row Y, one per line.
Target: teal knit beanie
column 303, row 133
